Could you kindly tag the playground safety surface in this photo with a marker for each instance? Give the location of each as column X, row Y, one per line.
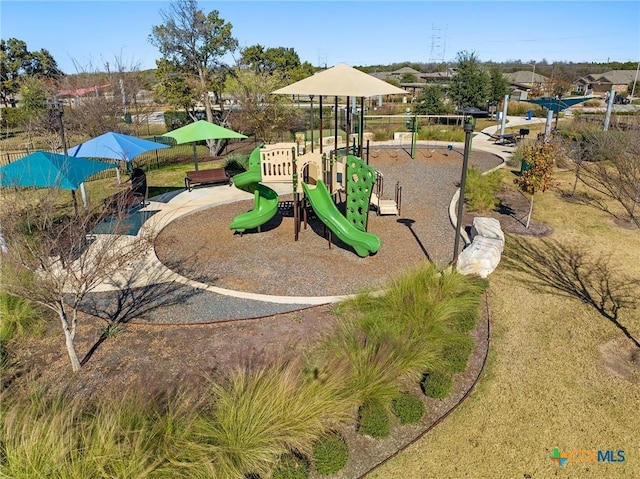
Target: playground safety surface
column 201, row 246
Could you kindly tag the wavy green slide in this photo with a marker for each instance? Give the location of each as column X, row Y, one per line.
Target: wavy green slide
column 362, row 242
column 265, row 204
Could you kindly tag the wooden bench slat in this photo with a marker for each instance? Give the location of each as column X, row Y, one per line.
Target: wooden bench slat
column 202, row 177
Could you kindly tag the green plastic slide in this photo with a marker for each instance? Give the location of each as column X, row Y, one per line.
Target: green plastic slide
column 265, row 199
column 362, row 242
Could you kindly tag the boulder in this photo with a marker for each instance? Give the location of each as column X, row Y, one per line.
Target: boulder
column 481, row 257
column 487, row 227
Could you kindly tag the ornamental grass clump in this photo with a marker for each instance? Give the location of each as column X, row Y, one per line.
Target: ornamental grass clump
column 260, row 415
column 388, row 340
column 55, row 438
column 481, row 190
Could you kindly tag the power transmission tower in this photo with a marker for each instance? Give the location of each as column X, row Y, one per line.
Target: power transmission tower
column 322, row 59
column 438, row 44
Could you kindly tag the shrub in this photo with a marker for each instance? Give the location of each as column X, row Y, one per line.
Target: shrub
column 330, row 454
column 291, row 466
column 374, row 420
column 237, row 162
column 408, row 408
column 439, row 133
column 437, row 384
column 19, row 316
column 457, row 352
column 480, row 190
column 516, row 158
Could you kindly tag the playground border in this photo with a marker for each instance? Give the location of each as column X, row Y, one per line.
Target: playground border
column 180, row 205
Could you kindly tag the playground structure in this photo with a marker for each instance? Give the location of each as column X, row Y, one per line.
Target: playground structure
column 320, row 178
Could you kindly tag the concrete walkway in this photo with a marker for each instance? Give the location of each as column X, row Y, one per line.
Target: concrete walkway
column 231, row 304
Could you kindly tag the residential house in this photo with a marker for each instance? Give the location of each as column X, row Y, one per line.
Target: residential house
column 601, row 83
column 523, row 83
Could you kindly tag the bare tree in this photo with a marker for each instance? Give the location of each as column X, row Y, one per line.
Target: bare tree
column 52, row 261
column 261, row 114
column 608, row 163
column 98, row 100
column 194, row 44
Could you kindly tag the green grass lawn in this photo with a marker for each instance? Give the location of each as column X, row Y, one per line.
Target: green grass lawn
column 545, row 384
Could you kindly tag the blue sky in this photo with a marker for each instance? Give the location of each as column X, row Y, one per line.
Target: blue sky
column 353, row 32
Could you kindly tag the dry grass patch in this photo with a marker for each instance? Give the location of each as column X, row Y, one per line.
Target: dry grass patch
column 552, row 379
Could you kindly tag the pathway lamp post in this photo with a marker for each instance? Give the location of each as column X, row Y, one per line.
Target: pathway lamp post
column 468, row 130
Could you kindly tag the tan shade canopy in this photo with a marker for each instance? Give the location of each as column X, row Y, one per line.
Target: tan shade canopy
column 341, row 80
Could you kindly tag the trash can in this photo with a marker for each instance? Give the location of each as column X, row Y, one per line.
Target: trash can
column 529, row 114
column 139, row 183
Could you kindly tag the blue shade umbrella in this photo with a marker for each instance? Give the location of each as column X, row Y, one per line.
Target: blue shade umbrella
column 558, row 104
column 43, row 169
column 115, row 146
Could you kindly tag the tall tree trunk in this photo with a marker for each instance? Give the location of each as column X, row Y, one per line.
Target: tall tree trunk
column 575, row 183
column 530, row 211
column 68, row 339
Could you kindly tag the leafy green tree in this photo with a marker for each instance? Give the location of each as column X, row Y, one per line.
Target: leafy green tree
column 193, row 44
column 408, row 78
column 498, row 84
column 470, row 84
column 431, row 101
column 281, row 60
column 34, row 96
column 175, row 87
column 18, row 63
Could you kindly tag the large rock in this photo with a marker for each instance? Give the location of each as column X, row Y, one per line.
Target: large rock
column 487, row 227
column 481, row 257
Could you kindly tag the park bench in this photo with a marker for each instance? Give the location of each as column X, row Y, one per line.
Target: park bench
column 206, row 177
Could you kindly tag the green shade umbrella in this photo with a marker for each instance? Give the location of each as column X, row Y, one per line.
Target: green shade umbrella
column 201, row 130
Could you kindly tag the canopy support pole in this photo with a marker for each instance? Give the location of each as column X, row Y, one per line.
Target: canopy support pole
column 85, row 202
column 195, row 156
column 361, row 132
